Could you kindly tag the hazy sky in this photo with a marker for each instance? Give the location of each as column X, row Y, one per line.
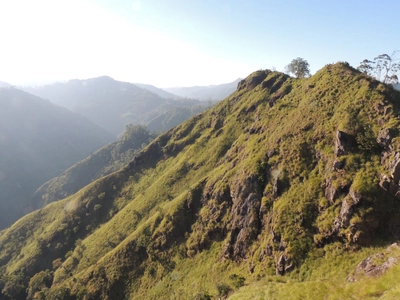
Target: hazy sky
column 186, row 42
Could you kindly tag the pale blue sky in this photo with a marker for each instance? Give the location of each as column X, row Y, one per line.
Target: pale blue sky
column 182, row 43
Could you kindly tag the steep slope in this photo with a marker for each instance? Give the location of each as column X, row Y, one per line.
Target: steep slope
column 110, row 103
column 38, row 140
column 284, row 175
column 156, row 90
column 211, row 92
column 104, row 161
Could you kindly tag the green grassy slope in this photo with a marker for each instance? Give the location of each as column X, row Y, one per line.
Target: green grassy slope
column 282, row 177
column 104, row 161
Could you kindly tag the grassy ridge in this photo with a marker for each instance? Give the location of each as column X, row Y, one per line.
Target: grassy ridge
column 229, row 198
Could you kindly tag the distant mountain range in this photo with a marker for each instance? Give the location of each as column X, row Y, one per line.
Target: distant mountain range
column 104, row 161
column 4, row 84
column 114, row 104
column 160, row 92
column 211, row 92
column 38, row 140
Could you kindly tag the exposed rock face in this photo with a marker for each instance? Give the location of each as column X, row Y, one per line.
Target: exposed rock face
column 373, row 265
column 283, row 265
column 384, row 138
column 275, row 188
column 392, row 184
column 395, row 168
column 346, row 212
column 344, row 142
column 338, row 165
column 245, row 217
column 332, row 193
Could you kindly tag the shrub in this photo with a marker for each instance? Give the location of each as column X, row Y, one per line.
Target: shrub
column 223, row 289
column 237, row 280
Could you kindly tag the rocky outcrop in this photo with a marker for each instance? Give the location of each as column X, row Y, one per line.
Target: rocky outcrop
column 391, row 184
column 394, row 167
column 384, row 139
column 245, row 222
column 344, row 142
column 283, row 265
column 251, row 82
column 377, row 264
column 346, row 212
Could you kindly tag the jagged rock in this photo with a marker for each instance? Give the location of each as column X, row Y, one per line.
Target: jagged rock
column 346, row 211
column 330, row 192
column 253, row 81
column 395, row 166
column 283, row 264
column 246, row 198
column 275, row 188
column 338, row 165
column 355, row 196
column 371, row 266
column 241, row 84
column 389, row 186
column 385, row 183
column 343, row 143
column 384, row 156
column 384, row 138
column 271, row 153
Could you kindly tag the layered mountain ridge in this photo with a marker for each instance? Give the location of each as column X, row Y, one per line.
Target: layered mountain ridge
column 38, row 140
column 104, row 161
column 113, row 104
column 210, row 92
column 282, row 174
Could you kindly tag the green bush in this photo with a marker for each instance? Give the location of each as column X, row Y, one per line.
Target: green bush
column 237, row 280
column 223, row 289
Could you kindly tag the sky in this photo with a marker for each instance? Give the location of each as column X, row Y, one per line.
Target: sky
column 170, row 43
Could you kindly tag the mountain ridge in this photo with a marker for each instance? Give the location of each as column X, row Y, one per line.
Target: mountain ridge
column 160, row 92
column 210, row 92
column 283, row 173
column 113, row 104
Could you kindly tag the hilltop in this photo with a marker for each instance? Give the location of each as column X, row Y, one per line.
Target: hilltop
column 279, row 190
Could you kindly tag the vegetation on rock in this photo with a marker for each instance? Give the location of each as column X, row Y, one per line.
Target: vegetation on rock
column 278, row 191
